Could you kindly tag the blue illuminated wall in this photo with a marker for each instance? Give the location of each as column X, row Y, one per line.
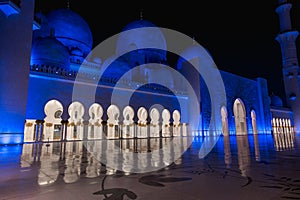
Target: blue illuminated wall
column 254, row 95
column 43, row 88
column 15, row 40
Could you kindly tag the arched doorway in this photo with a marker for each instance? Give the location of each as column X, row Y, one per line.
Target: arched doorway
column 176, row 123
column 75, row 126
column 128, row 123
column 240, row 117
column 142, row 115
column 52, row 126
column 253, row 119
column 95, row 122
column 113, row 114
column 154, row 122
column 224, row 116
column 165, row 127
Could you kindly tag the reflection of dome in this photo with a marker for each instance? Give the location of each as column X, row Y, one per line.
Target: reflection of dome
column 71, row 29
column 133, row 37
column 276, row 101
column 195, row 52
column 49, row 51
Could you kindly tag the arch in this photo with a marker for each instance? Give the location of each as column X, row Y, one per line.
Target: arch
column 176, row 117
column 240, row 117
column 224, row 115
column 52, row 130
column 113, row 114
column 95, row 121
column 76, row 111
column 128, row 114
column 154, row 122
column 128, row 122
column 253, row 120
column 142, row 115
column 75, row 127
column 154, row 116
column 176, row 123
column 95, row 113
column 166, row 123
column 53, row 110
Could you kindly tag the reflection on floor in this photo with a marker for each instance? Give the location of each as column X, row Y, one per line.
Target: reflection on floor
column 238, row 167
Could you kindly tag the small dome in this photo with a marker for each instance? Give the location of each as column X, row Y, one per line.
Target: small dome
column 276, row 101
column 195, row 52
column 49, row 51
column 141, row 38
column 138, row 24
column 71, row 29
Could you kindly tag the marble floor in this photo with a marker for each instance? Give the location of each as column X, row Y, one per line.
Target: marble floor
column 250, row 167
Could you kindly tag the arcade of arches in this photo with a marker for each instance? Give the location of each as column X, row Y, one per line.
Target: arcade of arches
column 122, row 125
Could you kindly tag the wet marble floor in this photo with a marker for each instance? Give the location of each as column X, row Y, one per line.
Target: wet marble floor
column 235, row 167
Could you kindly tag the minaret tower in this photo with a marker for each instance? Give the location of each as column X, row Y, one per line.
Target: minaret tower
column 290, row 67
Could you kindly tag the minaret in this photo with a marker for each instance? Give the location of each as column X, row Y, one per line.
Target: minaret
column 290, row 67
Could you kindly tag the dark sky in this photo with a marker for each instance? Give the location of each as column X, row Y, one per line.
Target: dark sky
column 240, row 35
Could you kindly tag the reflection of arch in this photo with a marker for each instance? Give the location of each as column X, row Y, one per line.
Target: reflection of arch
column 72, row 164
column 253, row 119
column 240, row 117
column 243, row 154
column 95, row 122
column 113, row 114
column 224, row 116
column 142, row 122
column 154, row 123
column 75, row 126
column 49, row 154
column 176, row 123
column 166, row 123
column 227, row 151
column 52, row 129
column 128, row 123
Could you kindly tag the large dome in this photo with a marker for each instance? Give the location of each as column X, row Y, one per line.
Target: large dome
column 133, row 35
column 49, row 51
column 71, row 29
column 195, row 53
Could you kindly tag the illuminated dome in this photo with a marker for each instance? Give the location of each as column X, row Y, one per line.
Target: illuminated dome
column 49, row 51
column 71, row 29
column 195, row 52
column 138, row 24
column 276, row 101
column 142, row 38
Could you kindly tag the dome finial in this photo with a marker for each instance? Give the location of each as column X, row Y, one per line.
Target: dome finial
column 68, row 4
column 141, row 14
column 194, row 42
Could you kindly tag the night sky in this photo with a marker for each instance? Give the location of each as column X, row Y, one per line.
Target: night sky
column 239, row 35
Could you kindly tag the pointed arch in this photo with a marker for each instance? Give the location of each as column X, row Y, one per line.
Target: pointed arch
column 253, row 120
column 240, row 117
column 224, row 115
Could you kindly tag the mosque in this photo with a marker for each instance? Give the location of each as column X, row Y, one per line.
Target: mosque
column 129, row 91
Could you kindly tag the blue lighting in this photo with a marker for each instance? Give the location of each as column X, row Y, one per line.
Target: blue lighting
column 9, row 8
column 6, row 139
